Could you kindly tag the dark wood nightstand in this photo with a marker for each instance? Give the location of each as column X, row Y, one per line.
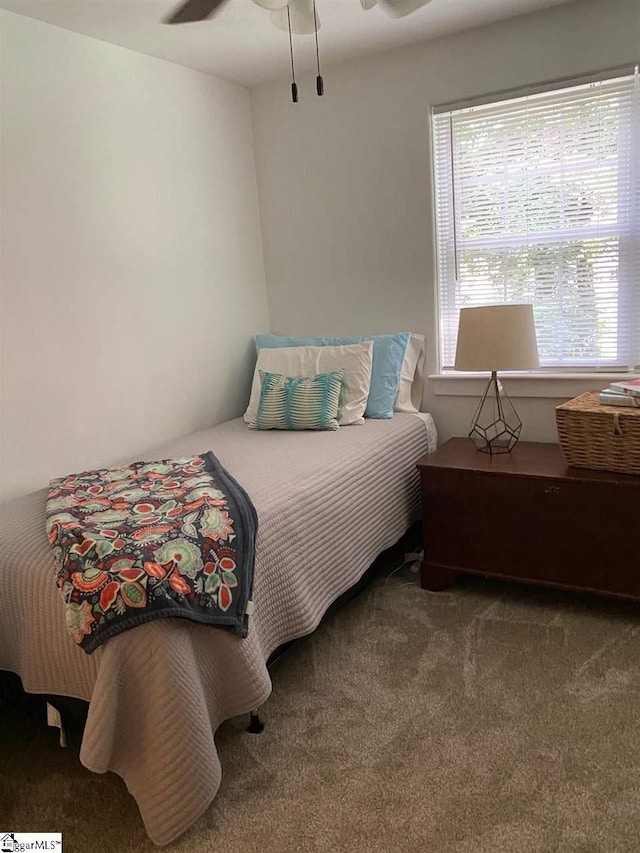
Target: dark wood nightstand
column 526, row 516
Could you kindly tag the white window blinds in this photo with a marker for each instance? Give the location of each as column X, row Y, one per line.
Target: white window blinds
column 538, row 200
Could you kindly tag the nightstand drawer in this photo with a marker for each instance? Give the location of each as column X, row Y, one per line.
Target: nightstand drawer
column 456, row 482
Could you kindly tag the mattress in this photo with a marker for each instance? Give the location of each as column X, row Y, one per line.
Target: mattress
column 328, row 503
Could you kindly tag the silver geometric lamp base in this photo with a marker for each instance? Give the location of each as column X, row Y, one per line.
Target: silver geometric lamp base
column 495, row 427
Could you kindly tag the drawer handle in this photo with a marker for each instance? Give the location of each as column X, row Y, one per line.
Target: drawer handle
column 552, row 490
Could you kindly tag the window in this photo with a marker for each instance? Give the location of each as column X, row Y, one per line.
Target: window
column 538, row 200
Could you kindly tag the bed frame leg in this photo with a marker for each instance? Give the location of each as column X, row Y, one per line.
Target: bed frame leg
column 256, row 726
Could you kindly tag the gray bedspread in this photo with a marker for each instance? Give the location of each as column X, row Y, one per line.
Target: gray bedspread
column 328, row 503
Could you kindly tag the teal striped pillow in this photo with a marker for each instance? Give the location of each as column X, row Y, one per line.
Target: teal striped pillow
column 298, row 403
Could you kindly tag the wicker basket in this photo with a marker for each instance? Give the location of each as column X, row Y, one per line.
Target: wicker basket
column 596, row 436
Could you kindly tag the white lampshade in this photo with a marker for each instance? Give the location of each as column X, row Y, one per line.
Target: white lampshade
column 497, row 337
column 302, row 21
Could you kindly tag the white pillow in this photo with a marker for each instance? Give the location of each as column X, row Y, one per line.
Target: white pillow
column 354, row 359
column 411, row 387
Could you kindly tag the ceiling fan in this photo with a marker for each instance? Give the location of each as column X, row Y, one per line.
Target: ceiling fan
column 301, row 12
column 292, row 16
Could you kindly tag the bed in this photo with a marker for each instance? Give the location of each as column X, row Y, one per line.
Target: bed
column 328, row 503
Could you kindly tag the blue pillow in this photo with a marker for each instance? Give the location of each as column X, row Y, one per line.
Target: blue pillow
column 388, row 355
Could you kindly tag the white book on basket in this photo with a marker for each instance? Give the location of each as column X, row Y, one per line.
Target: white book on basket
column 611, row 398
column 628, row 386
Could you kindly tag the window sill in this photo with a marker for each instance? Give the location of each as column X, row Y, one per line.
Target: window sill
column 561, row 386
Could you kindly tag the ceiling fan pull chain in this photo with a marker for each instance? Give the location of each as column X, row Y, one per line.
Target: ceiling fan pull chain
column 319, row 80
column 294, row 85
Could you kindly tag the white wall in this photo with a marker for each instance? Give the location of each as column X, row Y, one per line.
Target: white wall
column 345, row 181
column 132, row 275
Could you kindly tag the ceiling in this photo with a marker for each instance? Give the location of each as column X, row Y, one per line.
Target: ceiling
column 240, row 43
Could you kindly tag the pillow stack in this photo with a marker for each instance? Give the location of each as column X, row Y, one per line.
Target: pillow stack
column 379, row 374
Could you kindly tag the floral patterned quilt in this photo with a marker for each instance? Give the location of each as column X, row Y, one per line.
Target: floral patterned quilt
column 150, row 540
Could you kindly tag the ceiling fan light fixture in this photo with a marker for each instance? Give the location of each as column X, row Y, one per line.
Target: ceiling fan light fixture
column 400, row 8
column 272, row 5
column 368, row 4
column 301, row 15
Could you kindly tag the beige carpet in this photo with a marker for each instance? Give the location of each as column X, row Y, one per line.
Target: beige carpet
column 487, row 719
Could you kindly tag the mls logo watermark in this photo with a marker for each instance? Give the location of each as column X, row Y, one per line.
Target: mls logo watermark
column 23, row 842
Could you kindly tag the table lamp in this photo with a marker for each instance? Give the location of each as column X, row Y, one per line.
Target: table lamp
column 496, row 337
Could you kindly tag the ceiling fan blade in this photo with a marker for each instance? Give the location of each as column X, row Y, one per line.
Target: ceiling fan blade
column 302, row 22
column 193, row 10
column 400, row 8
column 272, row 5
